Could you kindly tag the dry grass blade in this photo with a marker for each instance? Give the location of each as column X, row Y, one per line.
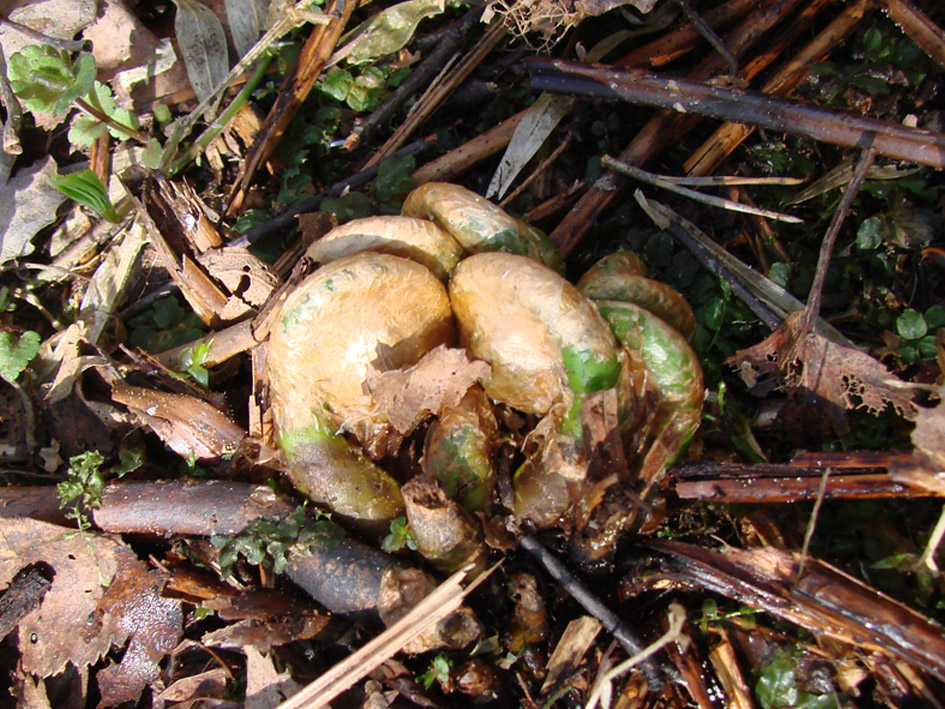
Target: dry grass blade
column 674, row 186
column 444, row 600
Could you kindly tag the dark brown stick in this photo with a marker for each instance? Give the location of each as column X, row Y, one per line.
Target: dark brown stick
column 890, row 139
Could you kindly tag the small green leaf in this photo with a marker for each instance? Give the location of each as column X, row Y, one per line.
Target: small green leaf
column 349, row 206
column 872, row 39
column 935, row 317
column 390, row 30
column 780, row 273
column 394, row 177
column 870, row 234
column 46, row 78
column 911, row 325
column 338, row 83
column 16, row 352
column 162, row 114
column 86, row 188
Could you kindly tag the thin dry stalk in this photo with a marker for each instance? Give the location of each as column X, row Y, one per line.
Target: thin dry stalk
column 447, row 597
column 673, row 186
column 433, row 99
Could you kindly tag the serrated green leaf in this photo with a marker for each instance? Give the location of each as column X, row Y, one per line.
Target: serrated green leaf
column 16, row 352
column 337, row 84
column 85, row 130
column 46, row 78
column 86, row 188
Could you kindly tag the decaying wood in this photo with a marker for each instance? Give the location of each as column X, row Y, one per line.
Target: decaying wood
column 350, row 578
column 24, row 593
column 823, row 599
column 446, row 599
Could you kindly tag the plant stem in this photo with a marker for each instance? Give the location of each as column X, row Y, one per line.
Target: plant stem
column 100, row 115
column 215, row 128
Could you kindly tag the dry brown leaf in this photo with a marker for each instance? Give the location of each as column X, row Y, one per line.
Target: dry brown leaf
column 28, row 202
column 440, row 379
column 57, row 632
column 841, row 376
column 265, row 687
column 929, row 436
column 152, row 624
column 263, row 635
column 206, row 685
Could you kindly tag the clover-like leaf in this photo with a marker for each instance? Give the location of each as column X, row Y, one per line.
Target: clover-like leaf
column 16, row 352
column 86, row 129
column 48, row 80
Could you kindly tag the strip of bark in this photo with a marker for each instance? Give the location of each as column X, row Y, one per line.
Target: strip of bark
column 824, row 600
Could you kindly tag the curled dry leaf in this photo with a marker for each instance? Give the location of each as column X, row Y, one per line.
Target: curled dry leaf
column 388, row 31
column 441, row 378
column 842, row 377
column 191, row 427
column 202, row 44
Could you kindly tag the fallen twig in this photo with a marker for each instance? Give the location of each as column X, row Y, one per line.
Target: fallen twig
column 890, row 139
